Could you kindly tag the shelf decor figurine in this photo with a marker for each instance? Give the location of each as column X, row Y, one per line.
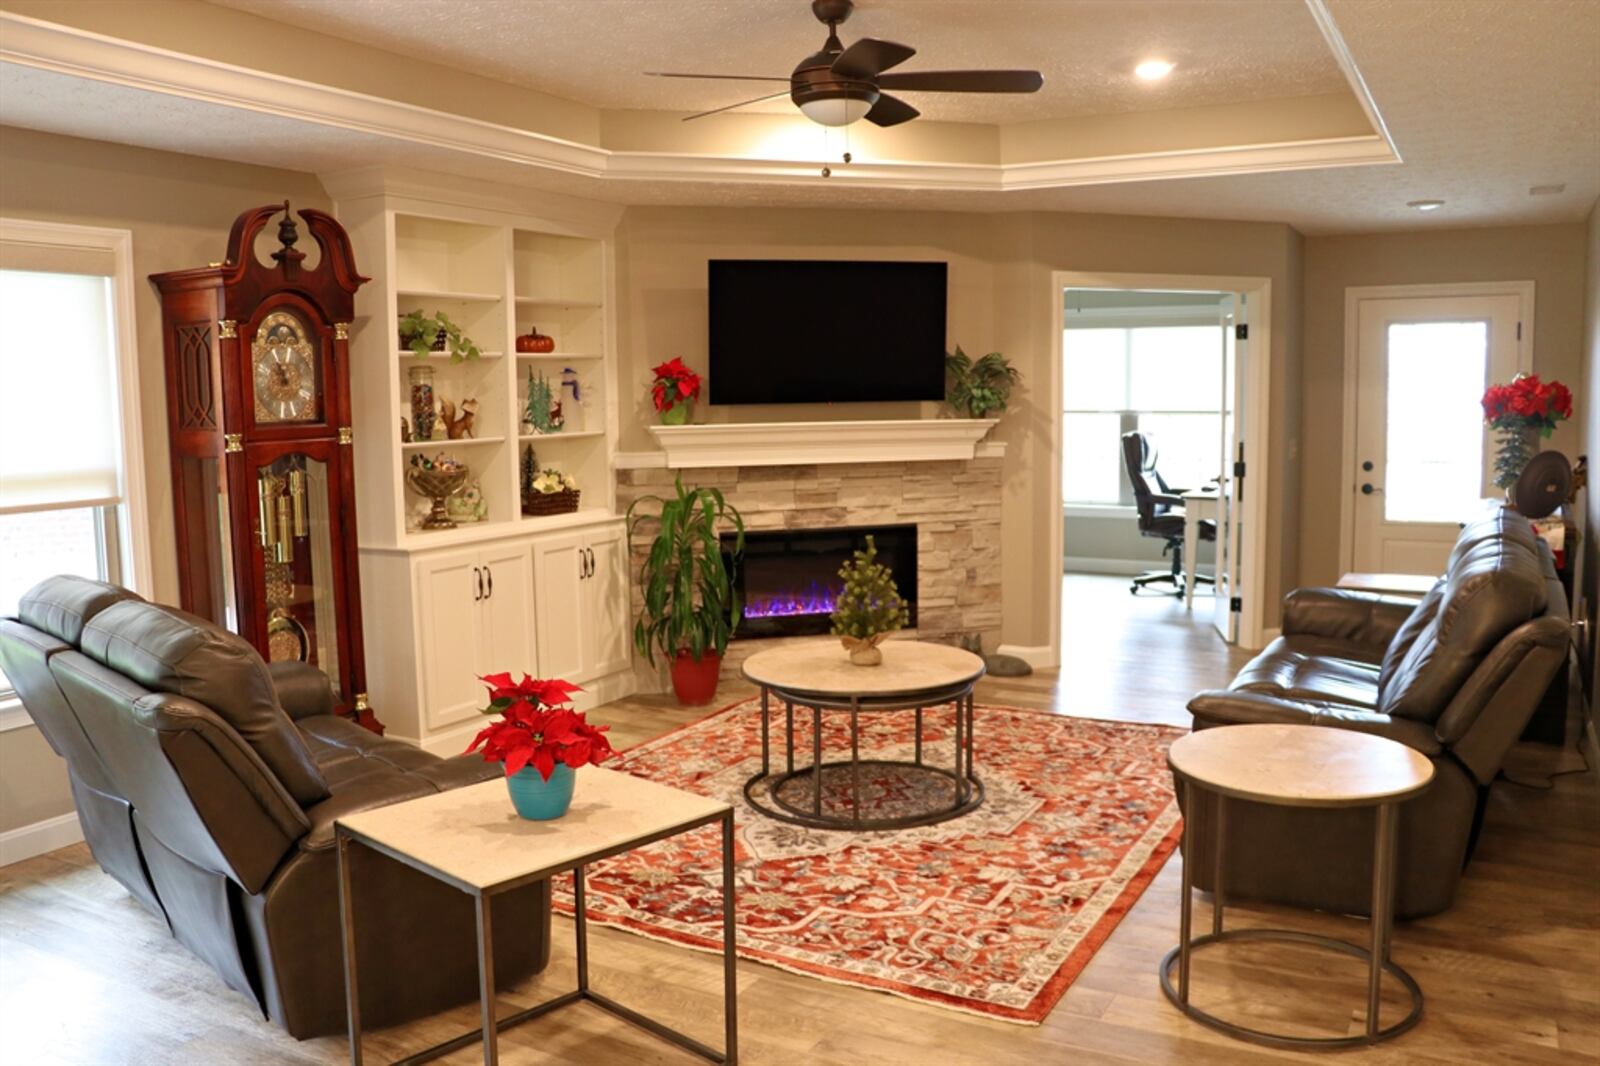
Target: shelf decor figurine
column 674, row 391
column 535, row 343
column 458, row 427
column 424, row 334
column 978, row 388
column 437, row 479
column 869, row 607
column 1523, row 412
column 542, row 411
column 540, row 741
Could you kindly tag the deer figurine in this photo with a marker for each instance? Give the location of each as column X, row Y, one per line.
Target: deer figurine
column 456, row 428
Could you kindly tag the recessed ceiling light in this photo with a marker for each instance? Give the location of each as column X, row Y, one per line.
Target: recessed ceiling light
column 1546, row 190
column 1425, row 205
column 1154, row 69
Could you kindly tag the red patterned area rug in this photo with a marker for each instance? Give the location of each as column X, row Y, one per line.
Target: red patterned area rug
column 994, row 913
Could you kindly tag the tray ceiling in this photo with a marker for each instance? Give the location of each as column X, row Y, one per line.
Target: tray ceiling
column 594, row 51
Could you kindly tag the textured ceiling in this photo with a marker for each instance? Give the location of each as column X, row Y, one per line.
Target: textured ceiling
column 594, row 51
column 1485, row 98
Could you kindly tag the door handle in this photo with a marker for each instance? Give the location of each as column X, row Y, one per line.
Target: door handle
column 583, row 565
column 490, row 572
column 478, row 574
column 1367, row 488
column 589, row 552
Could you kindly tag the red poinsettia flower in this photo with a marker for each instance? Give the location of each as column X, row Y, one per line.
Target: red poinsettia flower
column 1527, row 403
column 537, row 727
column 674, row 382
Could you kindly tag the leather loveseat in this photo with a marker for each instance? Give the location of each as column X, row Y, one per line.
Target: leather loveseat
column 1455, row 676
column 208, row 784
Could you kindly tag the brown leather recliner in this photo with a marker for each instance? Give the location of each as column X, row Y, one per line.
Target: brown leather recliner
column 1456, row 677
column 208, row 784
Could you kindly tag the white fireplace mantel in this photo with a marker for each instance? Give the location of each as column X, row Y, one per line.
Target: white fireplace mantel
column 784, row 443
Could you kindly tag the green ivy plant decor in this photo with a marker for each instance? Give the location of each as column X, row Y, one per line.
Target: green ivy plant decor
column 690, row 607
column 420, row 332
column 977, row 388
column 869, row 608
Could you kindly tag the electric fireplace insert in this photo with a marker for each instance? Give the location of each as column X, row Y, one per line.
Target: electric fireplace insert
column 788, row 579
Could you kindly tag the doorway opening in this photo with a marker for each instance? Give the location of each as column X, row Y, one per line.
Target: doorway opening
column 1161, row 414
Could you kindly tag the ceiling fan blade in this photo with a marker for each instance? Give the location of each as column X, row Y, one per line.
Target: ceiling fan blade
column 712, row 77
column 964, row 81
column 741, row 103
column 889, row 111
column 868, row 58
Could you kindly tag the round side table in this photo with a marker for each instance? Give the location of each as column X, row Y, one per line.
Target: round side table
column 1297, row 766
column 819, row 675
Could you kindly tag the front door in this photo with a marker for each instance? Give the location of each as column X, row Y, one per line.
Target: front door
column 1422, row 453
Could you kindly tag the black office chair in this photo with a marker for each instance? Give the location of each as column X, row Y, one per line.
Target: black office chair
column 1160, row 511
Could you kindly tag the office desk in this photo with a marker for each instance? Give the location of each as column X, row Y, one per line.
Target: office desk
column 1198, row 505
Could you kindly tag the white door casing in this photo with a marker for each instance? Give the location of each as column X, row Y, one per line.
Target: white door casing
column 1419, row 457
column 1230, row 488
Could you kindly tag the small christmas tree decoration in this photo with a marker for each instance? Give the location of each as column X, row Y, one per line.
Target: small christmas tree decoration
column 869, row 608
column 542, row 411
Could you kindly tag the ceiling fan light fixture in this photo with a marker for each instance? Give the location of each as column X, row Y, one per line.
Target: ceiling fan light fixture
column 835, row 110
column 1154, row 69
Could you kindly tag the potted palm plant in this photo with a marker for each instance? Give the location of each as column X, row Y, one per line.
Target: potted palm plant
column 978, row 388
column 690, row 608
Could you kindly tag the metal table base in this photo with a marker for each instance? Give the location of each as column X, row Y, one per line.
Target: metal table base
column 966, row 789
column 1377, row 956
column 491, row 1027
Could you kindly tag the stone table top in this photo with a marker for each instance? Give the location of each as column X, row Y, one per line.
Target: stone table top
column 822, row 667
column 1300, row 765
column 474, row 838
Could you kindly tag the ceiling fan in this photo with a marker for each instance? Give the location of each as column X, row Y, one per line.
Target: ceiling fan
column 838, row 85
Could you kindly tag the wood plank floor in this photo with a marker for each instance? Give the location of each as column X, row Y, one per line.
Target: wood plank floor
column 1511, row 973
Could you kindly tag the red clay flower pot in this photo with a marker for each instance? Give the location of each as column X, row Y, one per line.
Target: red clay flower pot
column 695, row 683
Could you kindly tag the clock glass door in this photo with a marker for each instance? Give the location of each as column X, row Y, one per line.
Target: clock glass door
column 297, row 537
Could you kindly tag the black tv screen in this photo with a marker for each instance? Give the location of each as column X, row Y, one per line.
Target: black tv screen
column 826, row 331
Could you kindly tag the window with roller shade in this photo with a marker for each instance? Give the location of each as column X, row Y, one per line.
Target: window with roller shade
column 66, row 487
column 1164, row 380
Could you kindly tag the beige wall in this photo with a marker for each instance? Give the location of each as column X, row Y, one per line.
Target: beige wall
column 179, row 209
column 1000, row 297
column 1588, row 413
column 1552, row 257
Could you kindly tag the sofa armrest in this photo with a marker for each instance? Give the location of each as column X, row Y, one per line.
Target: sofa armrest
column 1367, row 620
column 1231, row 707
column 302, row 689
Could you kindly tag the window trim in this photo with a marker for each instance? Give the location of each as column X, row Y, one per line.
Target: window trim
column 133, row 525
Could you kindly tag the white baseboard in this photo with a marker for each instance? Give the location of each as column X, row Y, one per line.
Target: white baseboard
column 1035, row 655
column 1089, row 564
column 24, row 842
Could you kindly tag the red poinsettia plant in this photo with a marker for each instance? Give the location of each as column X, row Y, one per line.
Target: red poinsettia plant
column 1527, row 403
column 674, row 383
column 538, row 727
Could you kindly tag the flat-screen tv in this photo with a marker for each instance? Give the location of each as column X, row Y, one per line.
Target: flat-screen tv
column 826, row 331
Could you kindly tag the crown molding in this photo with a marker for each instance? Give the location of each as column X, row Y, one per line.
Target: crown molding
column 65, row 50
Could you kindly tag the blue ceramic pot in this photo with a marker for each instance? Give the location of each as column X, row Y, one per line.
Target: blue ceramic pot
column 538, row 799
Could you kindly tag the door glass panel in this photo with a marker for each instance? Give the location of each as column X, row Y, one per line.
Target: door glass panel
column 297, row 547
column 1433, row 462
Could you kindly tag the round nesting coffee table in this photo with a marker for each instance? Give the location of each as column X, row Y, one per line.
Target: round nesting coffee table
column 1297, row 766
column 853, row 792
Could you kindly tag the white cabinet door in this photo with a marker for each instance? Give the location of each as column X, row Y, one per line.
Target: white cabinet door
column 558, row 567
column 606, row 629
column 508, row 612
column 450, row 624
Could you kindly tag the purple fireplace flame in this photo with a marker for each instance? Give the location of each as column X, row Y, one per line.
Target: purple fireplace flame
column 816, row 599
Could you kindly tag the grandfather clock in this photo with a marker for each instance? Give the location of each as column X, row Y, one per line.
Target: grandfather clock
column 258, row 408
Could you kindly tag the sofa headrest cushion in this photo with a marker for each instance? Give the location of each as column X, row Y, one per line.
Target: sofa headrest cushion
column 169, row 651
column 1426, row 611
column 1493, row 587
column 63, row 605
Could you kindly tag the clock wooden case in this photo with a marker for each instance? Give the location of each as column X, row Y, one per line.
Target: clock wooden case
column 263, row 482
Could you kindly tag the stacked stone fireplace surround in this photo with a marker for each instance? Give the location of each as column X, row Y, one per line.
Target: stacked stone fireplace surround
column 955, row 506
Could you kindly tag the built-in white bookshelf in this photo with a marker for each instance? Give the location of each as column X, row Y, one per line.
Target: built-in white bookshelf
column 497, row 275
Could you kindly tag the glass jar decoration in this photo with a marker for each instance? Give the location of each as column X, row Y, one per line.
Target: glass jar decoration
column 422, row 405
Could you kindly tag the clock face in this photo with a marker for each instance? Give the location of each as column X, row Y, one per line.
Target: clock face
column 285, row 371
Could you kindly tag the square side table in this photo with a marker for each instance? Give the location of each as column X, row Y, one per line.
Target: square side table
column 471, row 838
